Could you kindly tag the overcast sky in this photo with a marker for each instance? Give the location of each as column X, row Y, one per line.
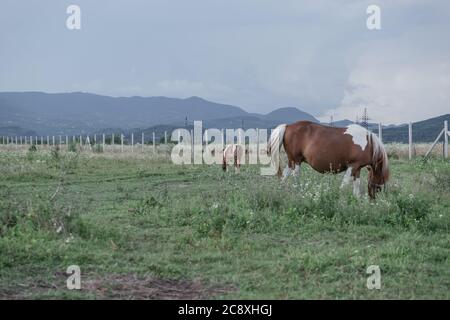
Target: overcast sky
column 316, row 55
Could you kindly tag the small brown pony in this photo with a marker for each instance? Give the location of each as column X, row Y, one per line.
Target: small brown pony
column 329, row 149
column 232, row 152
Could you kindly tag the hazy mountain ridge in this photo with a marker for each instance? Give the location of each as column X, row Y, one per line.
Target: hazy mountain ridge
column 37, row 113
column 422, row 131
column 77, row 112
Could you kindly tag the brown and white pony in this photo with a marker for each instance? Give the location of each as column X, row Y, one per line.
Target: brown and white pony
column 329, row 149
column 232, row 152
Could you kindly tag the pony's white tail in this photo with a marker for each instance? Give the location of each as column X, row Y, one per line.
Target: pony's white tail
column 379, row 156
column 275, row 144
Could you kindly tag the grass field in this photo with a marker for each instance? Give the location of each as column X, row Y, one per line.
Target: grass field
column 141, row 227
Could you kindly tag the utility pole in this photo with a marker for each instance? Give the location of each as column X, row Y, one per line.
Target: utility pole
column 365, row 119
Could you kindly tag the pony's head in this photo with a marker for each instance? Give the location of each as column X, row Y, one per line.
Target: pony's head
column 379, row 168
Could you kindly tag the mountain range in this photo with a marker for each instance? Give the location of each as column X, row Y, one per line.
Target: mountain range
column 38, row 113
column 77, row 112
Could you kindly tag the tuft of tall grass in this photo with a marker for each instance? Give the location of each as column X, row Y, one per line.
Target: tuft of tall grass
column 39, row 213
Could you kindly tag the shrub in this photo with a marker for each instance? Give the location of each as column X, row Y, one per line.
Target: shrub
column 441, row 179
column 411, row 209
column 39, row 213
column 72, row 147
column 145, row 206
column 55, row 154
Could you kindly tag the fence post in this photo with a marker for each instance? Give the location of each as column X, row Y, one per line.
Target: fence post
column 142, row 141
column 154, row 142
column 410, row 140
column 165, row 137
column 223, row 138
column 257, row 142
column 103, row 141
column 121, row 142
column 67, row 142
column 132, row 142
column 445, row 139
column 380, row 132
column 88, row 142
column 53, row 140
column 192, row 146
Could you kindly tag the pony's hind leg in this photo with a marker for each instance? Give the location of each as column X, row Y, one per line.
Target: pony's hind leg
column 237, row 167
column 286, row 173
column 291, row 169
column 237, row 161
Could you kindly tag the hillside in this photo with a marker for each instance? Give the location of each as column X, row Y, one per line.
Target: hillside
column 75, row 113
column 288, row 115
column 16, row 131
column 423, row 131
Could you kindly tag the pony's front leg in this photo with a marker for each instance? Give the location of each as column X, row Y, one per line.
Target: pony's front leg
column 296, row 171
column 347, row 177
column 356, row 187
column 356, row 183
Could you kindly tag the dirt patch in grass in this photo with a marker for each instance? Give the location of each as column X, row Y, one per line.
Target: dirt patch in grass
column 118, row 286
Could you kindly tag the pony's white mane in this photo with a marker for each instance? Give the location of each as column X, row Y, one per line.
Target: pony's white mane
column 359, row 134
column 379, row 152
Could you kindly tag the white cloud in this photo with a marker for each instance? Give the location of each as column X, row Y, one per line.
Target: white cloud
column 396, row 86
column 257, row 54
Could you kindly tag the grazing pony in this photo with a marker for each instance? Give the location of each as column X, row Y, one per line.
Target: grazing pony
column 232, row 152
column 329, row 149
